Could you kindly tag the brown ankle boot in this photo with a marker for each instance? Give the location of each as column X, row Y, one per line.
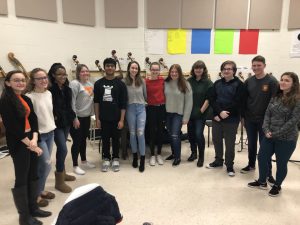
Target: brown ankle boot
column 68, row 177
column 60, row 183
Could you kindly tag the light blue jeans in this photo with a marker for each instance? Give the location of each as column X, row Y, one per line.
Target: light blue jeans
column 44, row 163
column 136, row 119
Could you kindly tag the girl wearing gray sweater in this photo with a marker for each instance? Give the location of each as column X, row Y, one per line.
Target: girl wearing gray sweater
column 281, row 132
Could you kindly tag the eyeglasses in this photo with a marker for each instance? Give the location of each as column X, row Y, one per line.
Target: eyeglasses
column 227, row 69
column 19, row 80
column 41, row 78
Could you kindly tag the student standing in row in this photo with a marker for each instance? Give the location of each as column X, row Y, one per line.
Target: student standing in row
column 42, row 103
column 179, row 103
column 156, row 111
column 281, row 132
column 110, row 97
column 82, row 105
column 200, row 85
column 259, row 90
column 21, row 126
column 64, row 117
column 136, row 112
column 226, row 100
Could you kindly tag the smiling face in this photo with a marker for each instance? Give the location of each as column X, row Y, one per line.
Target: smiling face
column 198, row 72
column 286, row 83
column 109, row 69
column 155, row 70
column 133, row 70
column 40, row 80
column 227, row 71
column 258, row 68
column 60, row 76
column 174, row 74
column 84, row 75
column 17, row 82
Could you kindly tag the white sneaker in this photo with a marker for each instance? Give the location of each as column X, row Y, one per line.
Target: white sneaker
column 105, row 165
column 115, row 165
column 159, row 159
column 152, row 161
column 78, row 170
column 88, row 165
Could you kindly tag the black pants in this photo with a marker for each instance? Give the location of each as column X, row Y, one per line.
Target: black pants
column 110, row 131
column 25, row 163
column 79, row 137
column 156, row 116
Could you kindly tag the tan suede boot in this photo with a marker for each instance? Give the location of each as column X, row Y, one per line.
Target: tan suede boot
column 60, row 183
column 68, row 177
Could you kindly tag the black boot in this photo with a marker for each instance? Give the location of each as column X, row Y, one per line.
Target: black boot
column 171, row 157
column 20, row 195
column 201, row 158
column 135, row 160
column 193, row 156
column 35, row 211
column 142, row 164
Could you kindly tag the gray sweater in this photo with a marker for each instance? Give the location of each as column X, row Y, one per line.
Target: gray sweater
column 282, row 121
column 178, row 102
column 136, row 94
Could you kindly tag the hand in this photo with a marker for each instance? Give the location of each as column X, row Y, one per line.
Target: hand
column 184, row 122
column 76, row 123
column 224, row 114
column 37, row 150
column 120, row 125
column 268, row 135
column 201, row 110
column 98, row 124
column 217, row 118
column 33, row 143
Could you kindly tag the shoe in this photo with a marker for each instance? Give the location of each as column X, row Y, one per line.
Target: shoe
column 42, row 202
column 159, row 160
column 78, row 170
column 115, row 165
column 230, row 171
column 60, row 183
column 271, row 180
column 152, row 161
column 170, row 157
column 247, row 169
column 176, row 162
column 275, row 191
column 214, row 165
column 40, row 213
column 88, row 164
column 68, row 177
column 257, row 184
column 200, row 162
column 142, row 164
column 135, row 160
column 105, row 165
column 192, row 157
column 48, row 195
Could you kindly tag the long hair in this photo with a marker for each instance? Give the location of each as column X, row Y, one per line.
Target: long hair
column 31, row 85
column 199, row 65
column 8, row 94
column 138, row 78
column 53, row 70
column 181, row 83
column 291, row 98
column 78, row 69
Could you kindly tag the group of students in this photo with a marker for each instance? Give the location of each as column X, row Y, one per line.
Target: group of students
column 52, row 107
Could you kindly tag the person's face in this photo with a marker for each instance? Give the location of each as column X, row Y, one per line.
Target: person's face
column 40, row 80
column 17, row 82
column 227, row 71
column 110, row 69
column 155, row 69
column 198, row 72
column 133, row 70
column 286, row 83
column 84, row 74
column 174, row 74
column 258, row 68
column 60, row 76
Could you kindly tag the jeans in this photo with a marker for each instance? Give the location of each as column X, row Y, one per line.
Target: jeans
column 110, row 131
column 79, row 137
column 60, row 138
column 254, row 131
column 174, row 124
column 283, row 151
column 136, row 119
column 44, row 164
column 227, row 131
column 196, row 136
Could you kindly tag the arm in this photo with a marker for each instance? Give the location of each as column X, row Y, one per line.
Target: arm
column 75, row 87
column 188, row 104
column 204, row 106
column 123, row 104
column 212, row 97
column 267, row 118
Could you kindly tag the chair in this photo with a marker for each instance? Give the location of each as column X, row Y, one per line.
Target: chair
column 208, row 123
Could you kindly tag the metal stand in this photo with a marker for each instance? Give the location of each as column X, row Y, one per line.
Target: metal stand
column 241, row 141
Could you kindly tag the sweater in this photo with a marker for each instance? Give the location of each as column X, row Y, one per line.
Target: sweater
column 155, row 91
column 136, row 94
column 282, row 121
column 177, row 101
column 82, row 98
column 43, row 107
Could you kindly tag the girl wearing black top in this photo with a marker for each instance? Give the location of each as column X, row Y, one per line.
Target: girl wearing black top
column 21, row 126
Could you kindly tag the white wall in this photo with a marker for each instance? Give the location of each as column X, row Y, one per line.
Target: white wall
column 39, row 43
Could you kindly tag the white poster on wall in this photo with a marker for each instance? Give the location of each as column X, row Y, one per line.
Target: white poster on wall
column 155, row 41
column 295, row 48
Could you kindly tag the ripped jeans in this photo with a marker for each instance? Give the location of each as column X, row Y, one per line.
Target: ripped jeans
column 136, row 119
column 44, row 161
column 174, row 124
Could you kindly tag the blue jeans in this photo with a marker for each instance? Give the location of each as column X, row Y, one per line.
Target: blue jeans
column 60, row 138
column 44, row 164
column 283, row 151
column 196, row 136
column 136, row 119
column 254, row 132
column 174, row 124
